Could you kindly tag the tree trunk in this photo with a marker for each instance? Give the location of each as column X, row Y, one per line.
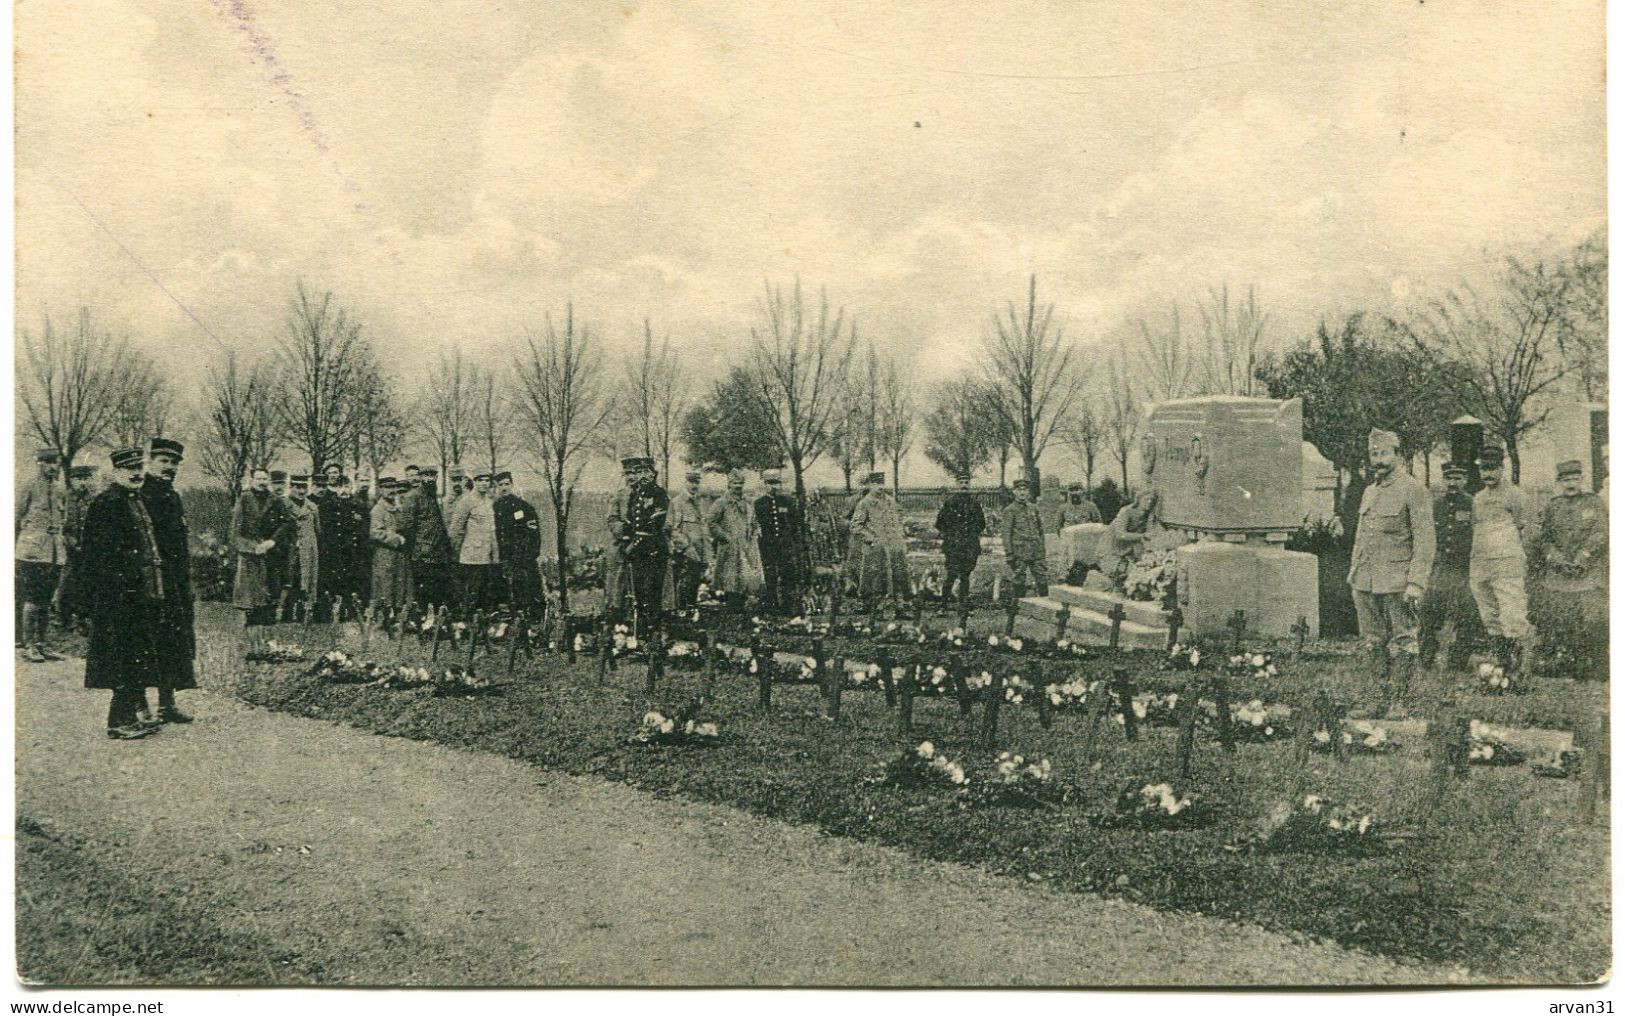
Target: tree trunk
column 896, row 477
column 1514, row 459
column 561, row 524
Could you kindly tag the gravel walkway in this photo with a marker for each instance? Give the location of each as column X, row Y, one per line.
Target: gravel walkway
column 384, row 861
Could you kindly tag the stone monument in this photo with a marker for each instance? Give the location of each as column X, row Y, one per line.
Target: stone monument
column 1228, row 472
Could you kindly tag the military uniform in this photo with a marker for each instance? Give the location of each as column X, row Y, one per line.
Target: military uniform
column 519, row 547
column 1449, row 598
column 175, row 667
column 40, row 554
column 644, row 547
column 124, row 581
column 1570, row 603
column 878, row 527
column 1496, row 569
column 473, row 534
column 425, row 529
column 1393, row 549
column 259, row 516
column 1022, row 529
column 779, row 533
column 737, row 564
column 391, row 561
column 689, row 553
column 961, row 522
column 69, row 601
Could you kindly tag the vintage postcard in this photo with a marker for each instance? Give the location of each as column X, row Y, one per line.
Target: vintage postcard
column 811, row 495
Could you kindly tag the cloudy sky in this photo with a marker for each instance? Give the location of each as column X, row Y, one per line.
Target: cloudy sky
column 455, row 169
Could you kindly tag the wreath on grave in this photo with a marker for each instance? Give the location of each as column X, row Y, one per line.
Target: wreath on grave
column 1320, row 824
column 1359, row 737
column 1154, row 807
column 681, row 730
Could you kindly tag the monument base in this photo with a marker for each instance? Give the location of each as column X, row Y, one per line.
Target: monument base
column 1274, row 587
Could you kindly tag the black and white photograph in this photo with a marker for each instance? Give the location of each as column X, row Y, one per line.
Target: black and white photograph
column 949, row 495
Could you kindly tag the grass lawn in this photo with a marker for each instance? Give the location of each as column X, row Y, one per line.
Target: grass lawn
column 1506, row 878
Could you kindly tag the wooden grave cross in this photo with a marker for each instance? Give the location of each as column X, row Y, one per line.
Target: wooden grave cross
column 1117, row 616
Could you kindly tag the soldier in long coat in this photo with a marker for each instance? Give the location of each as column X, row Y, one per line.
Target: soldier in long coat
column 689, row 543
column 1570, row 562
column 961, row 522
column 877, row 526
column 259, row 524
column 124, row 580
column 391, row 575
column 307, row 537
column 617, row 577
column 177, row 642
column 736, row 565
column 1391, row 565
column 425, row 526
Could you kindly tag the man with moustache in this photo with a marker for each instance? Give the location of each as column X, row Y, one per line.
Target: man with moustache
column 174, row 668
column 1496, row 569
column 391, row 576
column 1571, row 575
column 1448, row 597
column 1394, row 547
column 260, row 524
column 474, row 541
column 124, row 580
column 780, row 533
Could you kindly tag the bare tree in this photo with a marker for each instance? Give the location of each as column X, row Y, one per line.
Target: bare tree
column 563, row 395
column 144, row 407
column 1122, row 413
column 847, row 432
column 1583, row 341
column 71, row 385
column 959, row 430
column 1509, row 344
column 1084, row 431
column 799, row 362
column 237, row 425
column 1030, row 369
column 654, row 399
column 324, row 366
column 381, row 426
column 1231, row 342
column 443, row 418
column 894, row 433
column 493, row 413
column 1166, row 359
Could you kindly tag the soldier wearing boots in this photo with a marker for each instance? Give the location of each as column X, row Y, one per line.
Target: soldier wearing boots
column 1391, row 564
column 69, row 601
column 174, row 662
column 961, row 523
column 1571, row 578
column 643, row 541
column 1448, row 597
column 780, row 534
column 1023, row 530
column 40, row 554
column 1496, row 569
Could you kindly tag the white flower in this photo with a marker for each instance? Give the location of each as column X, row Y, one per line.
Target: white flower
column 667, row 727
column 1483, row 751
column 1196, row 658
column 1485, row 669
column 1054, row 699
column 926, row 749
column 1365, row 824
column 1323, row 737
column 873, row 670
column 653, row 719
column 1313, row 802
column 1016, row 644
column 993, row 640
column 1257, row 660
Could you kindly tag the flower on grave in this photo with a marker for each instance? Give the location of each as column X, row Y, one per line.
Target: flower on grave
column 873, row 670
column 580, row 642
column 926, row 749
column 1323, row 736
column 938, row 675
column 1485, row 670
column 631, row 642
column 1313, row 803
column 1016, row 644
column 891, row 626
column 1257, row 660
column 1482, row 751
column 752, row 668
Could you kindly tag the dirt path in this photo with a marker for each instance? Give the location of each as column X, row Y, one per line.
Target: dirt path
column 382, row 861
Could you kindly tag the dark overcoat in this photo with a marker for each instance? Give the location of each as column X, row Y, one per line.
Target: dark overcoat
column 177, row 641
column 258, row 518
column 123, row 576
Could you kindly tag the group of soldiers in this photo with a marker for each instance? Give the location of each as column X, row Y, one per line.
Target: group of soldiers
column 663, row 548
column 1468, row 560
column 119, row 559
column 318, row 546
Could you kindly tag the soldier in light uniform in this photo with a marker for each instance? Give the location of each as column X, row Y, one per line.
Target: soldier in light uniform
column 1022, row 529
column 779, row 536
column 391, row 571
column 473, row 533
column 689, row 553
column 40, row 554
column 878, row 527
column 1449, row 599
column 303, row 574
column 1392, row 561
column 617, row 577
column 731, row 523
column 1496, row 570
column 1571, row 577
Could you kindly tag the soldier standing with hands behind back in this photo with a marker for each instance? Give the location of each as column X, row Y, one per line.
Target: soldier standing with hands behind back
column 1571, row 565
